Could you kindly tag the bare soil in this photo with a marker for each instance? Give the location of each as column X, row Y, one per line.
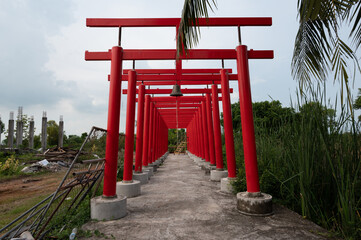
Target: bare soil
column 21, row 193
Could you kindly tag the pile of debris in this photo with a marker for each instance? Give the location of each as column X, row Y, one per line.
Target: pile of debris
column 54, row 159
column 44, row 165
column 56, row 154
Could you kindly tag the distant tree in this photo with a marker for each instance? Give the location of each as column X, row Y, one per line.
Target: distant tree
column 172, row 136
column 53, row 133
column 84, row 135
column 357, row 103
column 266, row 115
column 37, row 141
column 73, row 141
column 2, row 127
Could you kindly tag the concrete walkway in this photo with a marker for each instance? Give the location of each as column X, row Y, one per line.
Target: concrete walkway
column 180, row 202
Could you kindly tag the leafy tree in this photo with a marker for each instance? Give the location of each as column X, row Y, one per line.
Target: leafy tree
column 172, row 136
column 357, row 103
column 267, row 116
column 74, row 140
column 2, row 126
column 53, row 133
column 37, row 141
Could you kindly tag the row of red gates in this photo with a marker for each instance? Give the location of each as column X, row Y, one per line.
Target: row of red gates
column 198, row 114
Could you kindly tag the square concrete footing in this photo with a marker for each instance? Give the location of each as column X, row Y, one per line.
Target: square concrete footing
column 128, row 189
column 226, row 185
column 154, row 166
column 150, row 171
column 108, row 208
column 218, row 174
column 254, row 204
column 142, row 177
column 201, row 162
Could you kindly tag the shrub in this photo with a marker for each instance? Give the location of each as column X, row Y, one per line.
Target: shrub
column 9, row 167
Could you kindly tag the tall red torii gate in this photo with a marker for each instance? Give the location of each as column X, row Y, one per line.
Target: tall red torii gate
column 241, row 54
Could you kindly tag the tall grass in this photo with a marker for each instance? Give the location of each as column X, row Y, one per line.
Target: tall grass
column 311, row 164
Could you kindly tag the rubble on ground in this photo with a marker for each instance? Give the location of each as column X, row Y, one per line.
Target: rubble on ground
column 64, row 154
column 44, row 165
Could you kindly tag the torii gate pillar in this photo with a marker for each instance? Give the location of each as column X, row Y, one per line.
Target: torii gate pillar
column 252, row 202
column 110, row 206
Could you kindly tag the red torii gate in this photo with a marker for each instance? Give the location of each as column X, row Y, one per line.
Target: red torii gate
column 241, row 54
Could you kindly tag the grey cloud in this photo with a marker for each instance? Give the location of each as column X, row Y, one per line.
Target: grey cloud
column 24, row 26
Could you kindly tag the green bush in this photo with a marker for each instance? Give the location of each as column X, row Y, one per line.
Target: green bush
column 9, row 167
column 311, row 163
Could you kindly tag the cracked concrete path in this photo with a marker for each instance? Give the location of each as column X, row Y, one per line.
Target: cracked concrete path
column 180, row 202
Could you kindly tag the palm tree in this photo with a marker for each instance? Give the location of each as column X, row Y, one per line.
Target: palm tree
column 319, row 49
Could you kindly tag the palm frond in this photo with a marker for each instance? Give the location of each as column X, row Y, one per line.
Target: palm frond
column 311, row 54
column 355, row 17
column 318, row 46
column 188, row 31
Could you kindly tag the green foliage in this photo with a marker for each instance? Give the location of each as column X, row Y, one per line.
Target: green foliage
column 188, row 34
column 69, row 220
column 2, row 127
column 37, row 141
column 357, row 102
column 9, row 167
column 311, row 165
column 53, row 133
column 172, row 136
column 267, row 115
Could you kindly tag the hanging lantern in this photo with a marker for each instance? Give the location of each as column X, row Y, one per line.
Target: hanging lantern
column 176, row 92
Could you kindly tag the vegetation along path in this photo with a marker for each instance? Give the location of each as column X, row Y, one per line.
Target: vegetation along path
column 180, row 202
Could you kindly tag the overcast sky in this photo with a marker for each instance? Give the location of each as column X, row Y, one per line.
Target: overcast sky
column 42, row 45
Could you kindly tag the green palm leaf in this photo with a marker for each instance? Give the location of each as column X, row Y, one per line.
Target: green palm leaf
column 318, row 46
column 188, row 32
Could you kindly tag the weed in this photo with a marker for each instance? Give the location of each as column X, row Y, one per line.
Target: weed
column 9, row 167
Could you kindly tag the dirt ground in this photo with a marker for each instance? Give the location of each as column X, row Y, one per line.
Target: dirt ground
column 19, row 194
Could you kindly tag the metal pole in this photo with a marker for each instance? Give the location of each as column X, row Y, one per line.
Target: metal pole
column 151, row 120
column 228, row 128
column 146, row 130
column 212, row 156
column 129, row 129
column 217, row 128
column 153, row 134
column 205, row 131
column 111, row 149
column 245, row 102
column 140, row 127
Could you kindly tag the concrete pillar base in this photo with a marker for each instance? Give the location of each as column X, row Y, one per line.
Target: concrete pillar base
column 205, row 165
column 226, row 185
column 254, row 204
column 128, row 189
column 108, row 208
column 201, row 162
column 142, row 177
column 217, row 175
column 154, row 166
column 149, row 170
